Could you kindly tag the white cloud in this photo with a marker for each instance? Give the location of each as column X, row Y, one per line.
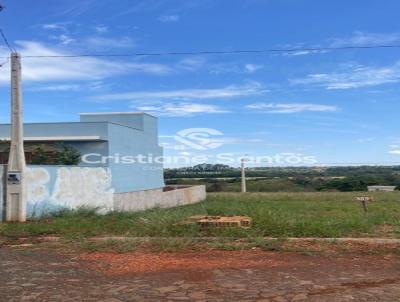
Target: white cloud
column 180, row 109
column 93, row 86
column 191, row 63
column 291, row 107
column 221, row 68
column 169, row 18
column 240, row 141
column 101, row 29
column 366, row 140
column 357, row 38
column 303, row 52
column 363, row 39
column 101, row 42
column 79, row 68
column 65, row 40
column 90, row 42
column 353, row 76
column 53, row 26
column 395, row 149
column 251, row 68
column 232, row 91
column 59, row 87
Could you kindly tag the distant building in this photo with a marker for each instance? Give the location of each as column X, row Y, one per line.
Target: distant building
column 381, row 188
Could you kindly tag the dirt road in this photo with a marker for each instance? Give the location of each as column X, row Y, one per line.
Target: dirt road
column 33, row 274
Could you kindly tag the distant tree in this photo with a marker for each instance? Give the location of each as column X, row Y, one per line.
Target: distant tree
column 210, row 167
column 39, row 156
column 68, row 155
column 352, row 183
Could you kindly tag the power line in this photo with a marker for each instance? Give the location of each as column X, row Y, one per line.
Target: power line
column 383, row 164
column 5, row 62
column 4, row 36
column 317, row 164
column 219, row 52
column 6, row 41
column 361, row 164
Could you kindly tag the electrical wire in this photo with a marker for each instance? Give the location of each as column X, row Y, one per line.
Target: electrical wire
column 361, row 163
column 6, row 41
column 221, row 52
column 5, row 62
column 345, row 164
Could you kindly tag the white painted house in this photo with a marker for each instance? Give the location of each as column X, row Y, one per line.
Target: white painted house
column 381, row 188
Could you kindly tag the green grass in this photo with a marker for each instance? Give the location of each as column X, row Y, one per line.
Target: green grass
column 274, row 214
column 267, row 185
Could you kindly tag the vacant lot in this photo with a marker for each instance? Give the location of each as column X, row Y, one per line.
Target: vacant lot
column 274, row 214
column 254, row 269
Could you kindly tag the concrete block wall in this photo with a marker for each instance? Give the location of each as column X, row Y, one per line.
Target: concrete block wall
column 183, row 196
column 143, row 200
column 138, row 200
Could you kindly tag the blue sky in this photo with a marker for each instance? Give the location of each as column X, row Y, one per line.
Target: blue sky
column 338, row 106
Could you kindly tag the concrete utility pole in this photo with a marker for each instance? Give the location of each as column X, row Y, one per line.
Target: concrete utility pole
column 243, row 174
column 16, row 201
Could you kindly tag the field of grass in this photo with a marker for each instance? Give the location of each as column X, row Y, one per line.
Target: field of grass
column 349, row 183
column 280, row 215
column 253, row 185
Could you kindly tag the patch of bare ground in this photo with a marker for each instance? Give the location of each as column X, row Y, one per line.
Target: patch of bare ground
column 143, row 262
column 112, row 263
column 41, row 274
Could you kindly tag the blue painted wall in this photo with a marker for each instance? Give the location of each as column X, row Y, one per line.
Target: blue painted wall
column 60, row 129
column 43, row 205
column 132, row 120
column 100, row 148
column 131, row 135
column 49, row 188
column 123, row 134
column 135, row 176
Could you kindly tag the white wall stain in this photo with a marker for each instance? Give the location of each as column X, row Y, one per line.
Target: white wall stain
column 75, row 187
column 37, row 183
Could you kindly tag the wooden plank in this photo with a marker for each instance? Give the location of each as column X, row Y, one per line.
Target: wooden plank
column 221, row 221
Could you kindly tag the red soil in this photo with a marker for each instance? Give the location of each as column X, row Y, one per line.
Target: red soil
column 115, row 264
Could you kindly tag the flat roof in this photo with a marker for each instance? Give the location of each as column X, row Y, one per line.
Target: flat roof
column 115, row 113
column 75, row 123
column 57, row 138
